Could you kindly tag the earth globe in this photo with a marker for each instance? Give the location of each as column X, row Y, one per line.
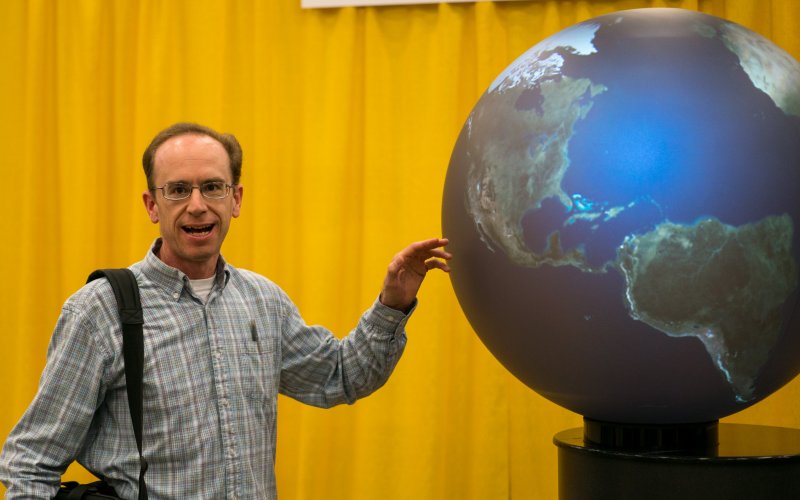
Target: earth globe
column 623, row 206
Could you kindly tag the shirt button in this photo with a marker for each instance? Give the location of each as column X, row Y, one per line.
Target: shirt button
column 176, row 295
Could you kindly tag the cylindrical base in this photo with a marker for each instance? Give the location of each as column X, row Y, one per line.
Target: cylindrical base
column 749, row 462
column 667, row 438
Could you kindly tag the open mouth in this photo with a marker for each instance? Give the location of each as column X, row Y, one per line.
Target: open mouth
column 198, row 231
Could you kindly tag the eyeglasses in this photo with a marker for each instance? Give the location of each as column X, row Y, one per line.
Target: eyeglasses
column 212, row 190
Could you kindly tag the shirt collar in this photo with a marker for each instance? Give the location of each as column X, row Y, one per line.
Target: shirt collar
column 175, row 280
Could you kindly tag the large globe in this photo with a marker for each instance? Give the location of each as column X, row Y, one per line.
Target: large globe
column 623, row 205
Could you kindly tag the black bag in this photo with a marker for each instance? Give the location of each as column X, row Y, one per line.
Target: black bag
column 97, row 490
column 126, row 291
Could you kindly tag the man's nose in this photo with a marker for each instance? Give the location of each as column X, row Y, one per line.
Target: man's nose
column 197, row 203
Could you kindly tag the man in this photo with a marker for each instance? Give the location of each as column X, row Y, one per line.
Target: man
column 220, row 344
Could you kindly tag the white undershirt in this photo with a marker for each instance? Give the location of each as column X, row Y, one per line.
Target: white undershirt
column 202, row 287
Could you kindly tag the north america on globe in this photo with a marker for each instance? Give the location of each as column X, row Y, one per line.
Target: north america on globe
column 657, row 167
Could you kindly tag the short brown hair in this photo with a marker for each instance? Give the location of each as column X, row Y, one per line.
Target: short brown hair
column 228, row 141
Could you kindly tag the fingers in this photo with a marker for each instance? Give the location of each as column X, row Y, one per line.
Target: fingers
column 429, row 248
column 436, row 264
column 420, row 257
column 441, row 254
column 427, row 245
column 427, row 253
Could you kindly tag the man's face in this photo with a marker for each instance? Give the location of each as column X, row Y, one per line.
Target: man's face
column 192, row 230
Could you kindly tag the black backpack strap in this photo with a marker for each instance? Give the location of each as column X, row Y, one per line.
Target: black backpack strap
column 126, row 291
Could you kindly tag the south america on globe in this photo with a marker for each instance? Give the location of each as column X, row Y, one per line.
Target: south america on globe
column 623, row 206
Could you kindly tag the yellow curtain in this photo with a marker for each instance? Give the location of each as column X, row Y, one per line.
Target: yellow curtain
column 347, row 118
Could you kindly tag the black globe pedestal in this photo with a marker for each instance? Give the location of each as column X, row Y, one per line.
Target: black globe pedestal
column 704, row 462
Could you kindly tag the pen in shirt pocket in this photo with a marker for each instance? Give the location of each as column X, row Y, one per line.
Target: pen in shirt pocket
column 254, row 336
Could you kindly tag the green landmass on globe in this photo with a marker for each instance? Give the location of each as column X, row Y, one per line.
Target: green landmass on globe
column 717, row 283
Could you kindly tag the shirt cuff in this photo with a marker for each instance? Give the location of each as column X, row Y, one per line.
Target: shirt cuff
column 387, row 319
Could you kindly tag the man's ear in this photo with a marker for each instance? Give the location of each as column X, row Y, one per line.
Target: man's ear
column 151, row 206
column 238, row 190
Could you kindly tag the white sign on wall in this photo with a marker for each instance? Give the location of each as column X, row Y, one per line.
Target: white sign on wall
column 311, row 4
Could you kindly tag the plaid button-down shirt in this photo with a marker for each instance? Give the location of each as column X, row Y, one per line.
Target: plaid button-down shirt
column 212, row 373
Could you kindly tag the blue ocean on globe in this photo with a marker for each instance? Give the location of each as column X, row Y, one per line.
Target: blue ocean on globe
column 623, row 205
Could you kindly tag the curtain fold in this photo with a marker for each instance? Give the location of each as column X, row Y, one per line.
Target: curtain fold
column 347, row 118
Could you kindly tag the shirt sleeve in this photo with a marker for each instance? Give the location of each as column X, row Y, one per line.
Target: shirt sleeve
column 53, row 429
column 321, row 370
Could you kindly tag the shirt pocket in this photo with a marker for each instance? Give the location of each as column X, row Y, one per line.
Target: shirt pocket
column 256, row 358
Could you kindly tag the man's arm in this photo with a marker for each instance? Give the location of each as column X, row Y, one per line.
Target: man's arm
column 320, row 370
column 54, row 427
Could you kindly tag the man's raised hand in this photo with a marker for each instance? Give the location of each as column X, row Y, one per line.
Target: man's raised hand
column 408, row 269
